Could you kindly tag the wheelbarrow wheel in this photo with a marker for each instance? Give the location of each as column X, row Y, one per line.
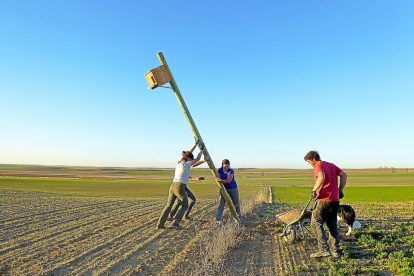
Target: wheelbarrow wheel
column 290, row 235
column 306, row 226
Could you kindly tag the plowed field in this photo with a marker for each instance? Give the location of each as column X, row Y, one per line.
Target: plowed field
column 43, row 233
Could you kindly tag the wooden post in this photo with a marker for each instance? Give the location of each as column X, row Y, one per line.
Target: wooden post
column 198, row 136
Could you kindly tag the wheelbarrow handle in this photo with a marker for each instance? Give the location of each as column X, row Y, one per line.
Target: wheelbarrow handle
column 307, row 204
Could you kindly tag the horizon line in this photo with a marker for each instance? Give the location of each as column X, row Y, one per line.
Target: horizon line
column 171, row 168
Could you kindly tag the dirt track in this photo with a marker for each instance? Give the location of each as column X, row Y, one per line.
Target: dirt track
column 262, row 252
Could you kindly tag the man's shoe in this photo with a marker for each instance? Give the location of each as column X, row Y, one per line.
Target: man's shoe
column 218, row 222
column 160, row 227
column 170, row 219
column 320, row 254
column 188, row 218
column 176, row 226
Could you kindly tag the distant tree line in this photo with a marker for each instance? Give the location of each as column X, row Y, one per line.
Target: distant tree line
column 385, row 168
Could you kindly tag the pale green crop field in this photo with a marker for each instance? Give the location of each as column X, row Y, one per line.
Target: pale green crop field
column 146, row 188
column 289, row 186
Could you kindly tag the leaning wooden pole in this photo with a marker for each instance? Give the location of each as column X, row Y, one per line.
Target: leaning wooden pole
column 198, row 136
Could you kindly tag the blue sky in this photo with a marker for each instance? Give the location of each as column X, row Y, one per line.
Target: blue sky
column 264, row 81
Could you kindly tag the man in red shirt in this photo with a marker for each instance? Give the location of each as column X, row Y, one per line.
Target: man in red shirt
column 327, row 193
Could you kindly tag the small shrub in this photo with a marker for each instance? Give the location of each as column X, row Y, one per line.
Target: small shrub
column 407, row 241
column 340, row 272
column 320, row 265
column 372, row 228
column 380, row 250
column 388, row 239
column 403, row 228
column 304, row 267
column 357, row 233
column 367, row 241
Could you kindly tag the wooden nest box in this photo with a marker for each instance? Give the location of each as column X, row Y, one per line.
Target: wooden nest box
column 158, row 76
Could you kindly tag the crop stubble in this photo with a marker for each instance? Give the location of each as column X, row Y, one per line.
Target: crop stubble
column 53, row 234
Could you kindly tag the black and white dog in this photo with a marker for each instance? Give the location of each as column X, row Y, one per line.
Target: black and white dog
column 347, row 214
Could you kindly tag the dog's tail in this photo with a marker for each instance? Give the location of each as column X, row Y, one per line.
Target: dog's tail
column 356, row 225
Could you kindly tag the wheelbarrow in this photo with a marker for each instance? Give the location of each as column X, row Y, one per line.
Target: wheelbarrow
column 298, row 224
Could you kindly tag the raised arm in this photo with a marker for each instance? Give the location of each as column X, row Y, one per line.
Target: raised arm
column 198, row 156
column 195, row 145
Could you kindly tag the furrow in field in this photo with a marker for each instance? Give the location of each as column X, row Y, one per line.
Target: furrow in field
column 57, row 236
column 252, row 194
column 32, row 223
column 183, row 245
column 170, row 255
column 206, row 258
column 262, row 252
column 17, row 221
column 100, row 257
column 157, row 254
column 50, row 223
column 253, row 254
column 51, row 233
column 127, row 259
column 21, row 207
column 126, row 236
column 287, row 256
column 120, row 249
column 124, row 248
column 75, row 247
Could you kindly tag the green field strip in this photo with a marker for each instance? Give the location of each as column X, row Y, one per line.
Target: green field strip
column 300, row 195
